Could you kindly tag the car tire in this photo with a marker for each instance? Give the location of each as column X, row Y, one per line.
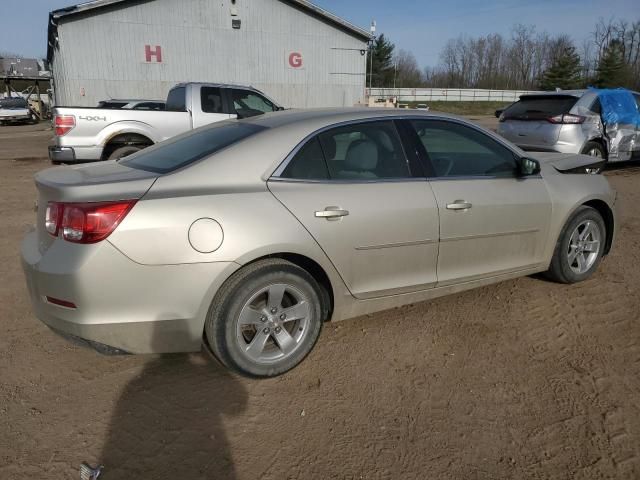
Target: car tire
column 574, row 244
column 125, row 151
column 595, row 149
column 247, row 327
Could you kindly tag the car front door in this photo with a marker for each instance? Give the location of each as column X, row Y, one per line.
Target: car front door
column 363, row 201
column 492, row 219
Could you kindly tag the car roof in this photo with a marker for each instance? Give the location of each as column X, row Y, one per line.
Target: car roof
column 329, row 116
column 559, row 93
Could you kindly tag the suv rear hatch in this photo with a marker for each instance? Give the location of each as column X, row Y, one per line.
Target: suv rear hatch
column 536, row 120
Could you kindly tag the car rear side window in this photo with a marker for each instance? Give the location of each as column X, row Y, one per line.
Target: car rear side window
column 171, row 155
column 456, row 150
column 539, row 107
column 177, row 100
column 308, row 163
column 211, row 100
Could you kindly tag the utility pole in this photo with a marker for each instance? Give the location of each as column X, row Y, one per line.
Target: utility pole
column 373, row 36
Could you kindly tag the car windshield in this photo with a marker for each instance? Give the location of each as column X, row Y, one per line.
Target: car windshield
column 540, row 107
column 13, row 103
column 181, row 151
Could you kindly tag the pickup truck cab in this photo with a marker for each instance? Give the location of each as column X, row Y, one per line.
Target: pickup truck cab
column 92, row 134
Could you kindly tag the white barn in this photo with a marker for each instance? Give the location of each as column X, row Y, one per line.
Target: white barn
column 297, row 53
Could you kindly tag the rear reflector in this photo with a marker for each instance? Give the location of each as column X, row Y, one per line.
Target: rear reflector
column 61, row 303
column 566, row 118
column 53, row 217
column 85, row 222
column 63, row 124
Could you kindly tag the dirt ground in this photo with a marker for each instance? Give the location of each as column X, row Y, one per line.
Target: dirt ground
column 524, row 379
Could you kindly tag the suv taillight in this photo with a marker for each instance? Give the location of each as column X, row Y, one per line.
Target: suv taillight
column 63, row 124
column 85, row 222
column 566, row 118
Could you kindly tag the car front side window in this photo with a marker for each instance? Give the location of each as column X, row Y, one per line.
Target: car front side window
column 364, row 151
column 245, row 101
column 358, row 152
column 456, row 150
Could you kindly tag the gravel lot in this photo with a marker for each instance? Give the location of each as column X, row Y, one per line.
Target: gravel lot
column 524, row 379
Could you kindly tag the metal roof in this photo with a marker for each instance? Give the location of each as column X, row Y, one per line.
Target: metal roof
column 304, row 5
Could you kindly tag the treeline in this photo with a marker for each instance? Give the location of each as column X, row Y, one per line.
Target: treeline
column 527, row 59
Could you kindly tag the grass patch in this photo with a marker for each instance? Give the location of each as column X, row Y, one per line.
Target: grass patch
column 463, row 108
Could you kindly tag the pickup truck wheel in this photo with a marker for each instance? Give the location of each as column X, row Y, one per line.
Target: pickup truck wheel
column 125, row 151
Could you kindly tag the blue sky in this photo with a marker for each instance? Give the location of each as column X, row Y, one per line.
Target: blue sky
column 422, row 27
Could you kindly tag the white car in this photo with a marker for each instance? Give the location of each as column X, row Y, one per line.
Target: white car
column 14, row 110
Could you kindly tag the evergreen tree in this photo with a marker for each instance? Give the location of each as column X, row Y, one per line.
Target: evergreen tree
column 612, row 70
column 382, row 57
column 564, row 72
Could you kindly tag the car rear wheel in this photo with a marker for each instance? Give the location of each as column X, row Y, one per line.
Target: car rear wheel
column 265, row 319
column 595, row 149
column 125, row 151
column 580, row 247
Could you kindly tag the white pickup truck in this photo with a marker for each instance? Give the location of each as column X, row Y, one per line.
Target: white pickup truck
column 90, row 134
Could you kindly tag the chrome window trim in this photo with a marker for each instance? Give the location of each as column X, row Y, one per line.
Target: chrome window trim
column 283, row 165
column 483, row 177
column 341, row 181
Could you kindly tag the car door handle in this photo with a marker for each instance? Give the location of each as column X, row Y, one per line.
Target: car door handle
column 332, row 213
column 459, row 205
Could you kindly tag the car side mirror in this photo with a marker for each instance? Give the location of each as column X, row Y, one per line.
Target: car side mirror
column 498, row 112
column 529, row 166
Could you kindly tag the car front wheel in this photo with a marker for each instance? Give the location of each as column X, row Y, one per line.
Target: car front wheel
column 265, row 319
column 580, row 247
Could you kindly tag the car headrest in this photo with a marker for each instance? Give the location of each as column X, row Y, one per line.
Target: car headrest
column 361, row 155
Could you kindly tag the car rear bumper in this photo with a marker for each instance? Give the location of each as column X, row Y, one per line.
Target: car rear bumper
column 120, row 306
column 61, row 154
column 15, row 118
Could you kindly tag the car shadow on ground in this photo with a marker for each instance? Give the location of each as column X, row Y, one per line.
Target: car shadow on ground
column 168, row 422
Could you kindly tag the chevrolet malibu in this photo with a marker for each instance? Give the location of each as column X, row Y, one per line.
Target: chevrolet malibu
column 246, row 236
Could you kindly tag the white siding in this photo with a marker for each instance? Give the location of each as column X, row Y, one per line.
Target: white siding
column 102, row 52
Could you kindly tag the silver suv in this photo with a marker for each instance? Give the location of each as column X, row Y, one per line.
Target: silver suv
column 568, row 122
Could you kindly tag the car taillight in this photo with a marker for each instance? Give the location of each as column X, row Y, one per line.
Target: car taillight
column 64, row 124
column 85, row 222
column 566, row 118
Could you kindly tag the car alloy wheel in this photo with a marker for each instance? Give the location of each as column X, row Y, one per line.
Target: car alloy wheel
column 273, row 323
column 584, row 246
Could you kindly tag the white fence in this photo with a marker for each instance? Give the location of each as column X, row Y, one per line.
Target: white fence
column 448, row 94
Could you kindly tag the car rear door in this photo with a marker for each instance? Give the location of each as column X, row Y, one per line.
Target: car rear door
column 492, row 220
column 367, row 205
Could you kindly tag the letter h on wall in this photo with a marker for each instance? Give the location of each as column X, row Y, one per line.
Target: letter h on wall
column 150, row 53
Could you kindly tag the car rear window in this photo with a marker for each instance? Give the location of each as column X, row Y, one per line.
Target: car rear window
column 540, row 107
column 13, row 103
column 173, row 154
